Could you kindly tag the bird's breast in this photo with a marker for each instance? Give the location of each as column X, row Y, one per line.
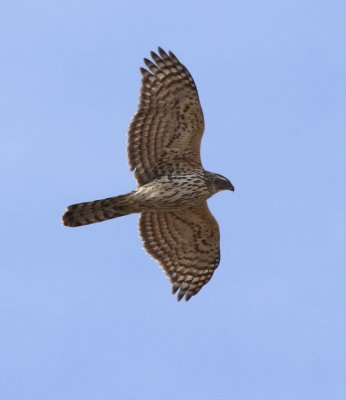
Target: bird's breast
column 173, row 191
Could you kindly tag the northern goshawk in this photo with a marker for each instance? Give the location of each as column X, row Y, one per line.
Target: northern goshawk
column 164, row 137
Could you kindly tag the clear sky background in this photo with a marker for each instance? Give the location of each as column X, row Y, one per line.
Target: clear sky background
column 84, row 313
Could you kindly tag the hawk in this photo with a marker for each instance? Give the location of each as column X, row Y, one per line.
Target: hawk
column 164, row 137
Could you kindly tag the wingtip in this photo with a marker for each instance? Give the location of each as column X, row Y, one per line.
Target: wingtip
column 172, row 55
column 180, row 294
column 175, row 287
column 162, row 53
column 183, row 293
column 144, row 71
column 153, row 54
column 188, row 296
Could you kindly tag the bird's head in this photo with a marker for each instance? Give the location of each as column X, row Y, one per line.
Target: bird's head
column 221, row 183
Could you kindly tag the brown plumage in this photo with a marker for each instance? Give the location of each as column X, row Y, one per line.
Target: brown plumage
column 166, row 132
column 164, row 139
column 186, row 244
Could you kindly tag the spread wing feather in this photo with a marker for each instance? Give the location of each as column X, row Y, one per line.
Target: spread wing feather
column 186, row 243
column 166, row 131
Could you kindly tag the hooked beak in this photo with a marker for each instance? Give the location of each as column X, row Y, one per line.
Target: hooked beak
column 231, row 187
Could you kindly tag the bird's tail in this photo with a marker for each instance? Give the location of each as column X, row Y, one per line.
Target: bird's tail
column 98, row 210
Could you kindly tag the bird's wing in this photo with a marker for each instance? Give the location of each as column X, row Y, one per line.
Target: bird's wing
column 186, row 243
column 165, row 133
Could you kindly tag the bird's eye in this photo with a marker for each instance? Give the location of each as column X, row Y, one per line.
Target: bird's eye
column 222, row 178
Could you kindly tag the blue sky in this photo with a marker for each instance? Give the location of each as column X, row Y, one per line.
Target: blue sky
column 85, row 313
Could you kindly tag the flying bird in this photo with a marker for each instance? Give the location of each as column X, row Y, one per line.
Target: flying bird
column 164, row 137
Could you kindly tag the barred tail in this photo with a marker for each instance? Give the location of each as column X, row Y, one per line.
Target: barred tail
column 98, row 210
